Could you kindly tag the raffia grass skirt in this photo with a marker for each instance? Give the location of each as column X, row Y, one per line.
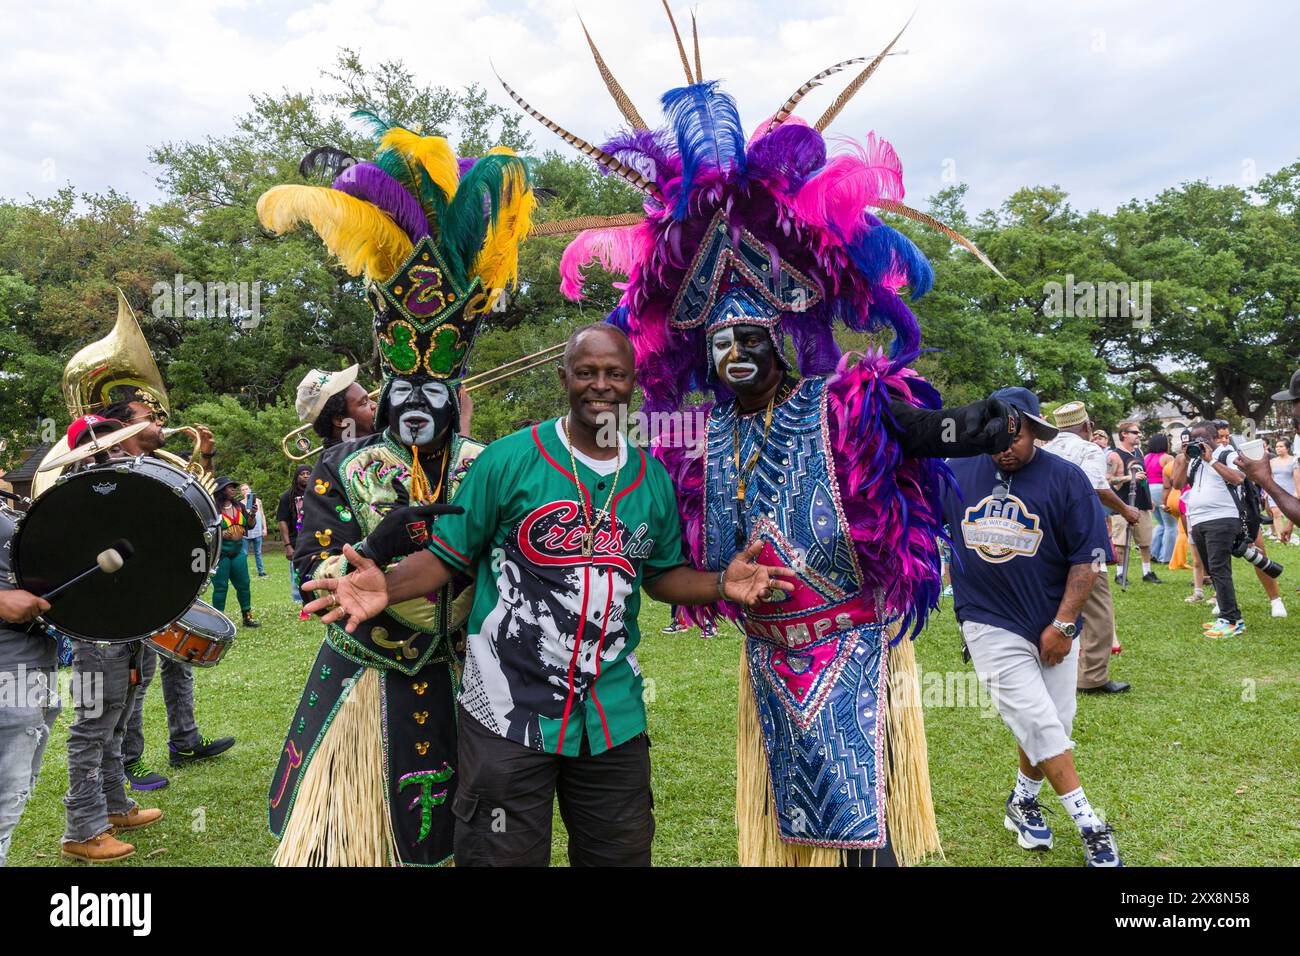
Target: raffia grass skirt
column 909, row 805
column 340, row 816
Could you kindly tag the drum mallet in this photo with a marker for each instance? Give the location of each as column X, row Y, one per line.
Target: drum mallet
column 109, row 561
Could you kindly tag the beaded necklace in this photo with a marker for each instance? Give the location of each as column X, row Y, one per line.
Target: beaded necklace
column 742, row 474
column 589, row 534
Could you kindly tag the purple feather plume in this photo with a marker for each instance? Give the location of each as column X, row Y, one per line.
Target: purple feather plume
column 368, row 182
column 891, row 503
column 649, row 152
column 787, row 156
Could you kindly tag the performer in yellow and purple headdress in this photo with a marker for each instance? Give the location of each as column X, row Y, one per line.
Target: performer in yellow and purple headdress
column 830, row 460
column 368, row 768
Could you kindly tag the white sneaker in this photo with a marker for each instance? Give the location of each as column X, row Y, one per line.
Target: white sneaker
column 1279, row 609
column 1215, row 610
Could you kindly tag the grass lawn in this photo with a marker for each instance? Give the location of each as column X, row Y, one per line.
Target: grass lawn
column 1196, row 766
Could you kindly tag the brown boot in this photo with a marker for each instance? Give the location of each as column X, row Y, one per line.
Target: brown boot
column 135, row 818
column 104, row 848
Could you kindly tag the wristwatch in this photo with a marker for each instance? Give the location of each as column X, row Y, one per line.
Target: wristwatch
column 1068, row 629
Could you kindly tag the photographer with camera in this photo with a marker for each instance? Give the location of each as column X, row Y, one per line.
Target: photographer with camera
column 1262, row 474
column 1218, row 518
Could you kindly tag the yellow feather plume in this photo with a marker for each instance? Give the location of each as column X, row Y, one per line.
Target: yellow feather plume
column 498, row 261
column 432, row 152
column 358, row 234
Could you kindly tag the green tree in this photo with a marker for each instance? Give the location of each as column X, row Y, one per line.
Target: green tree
column 1224, row 268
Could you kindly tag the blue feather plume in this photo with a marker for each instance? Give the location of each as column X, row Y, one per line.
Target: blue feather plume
column 882, row 249
column 709, row 133
column 619, row 318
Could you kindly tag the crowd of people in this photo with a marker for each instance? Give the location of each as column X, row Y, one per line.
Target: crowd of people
column 1188, row 499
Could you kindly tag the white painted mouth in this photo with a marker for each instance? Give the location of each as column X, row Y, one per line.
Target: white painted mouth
column 740, row 371
column 415, row 429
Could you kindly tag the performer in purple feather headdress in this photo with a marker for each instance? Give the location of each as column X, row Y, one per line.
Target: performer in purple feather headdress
column 829, row 460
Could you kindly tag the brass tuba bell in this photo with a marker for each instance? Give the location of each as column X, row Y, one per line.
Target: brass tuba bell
column 121, row 358
column 98, row 375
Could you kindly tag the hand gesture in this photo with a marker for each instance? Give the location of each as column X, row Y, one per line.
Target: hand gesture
column 21, row 607
column 403, row 531
column 358, row 596
column 206, row 442
column 996, row 427
column 1258, row 470
column 747, row 582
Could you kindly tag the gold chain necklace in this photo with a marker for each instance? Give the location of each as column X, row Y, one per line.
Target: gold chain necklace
column 742, row 474
column 589, row 535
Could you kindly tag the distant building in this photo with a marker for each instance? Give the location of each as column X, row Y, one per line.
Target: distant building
column 1172, row 422
column 20, row 479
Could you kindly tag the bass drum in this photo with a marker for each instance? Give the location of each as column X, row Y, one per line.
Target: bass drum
column 173, row 527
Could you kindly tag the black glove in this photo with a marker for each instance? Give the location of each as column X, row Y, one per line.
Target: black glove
column 991, row 424
column 404, row 530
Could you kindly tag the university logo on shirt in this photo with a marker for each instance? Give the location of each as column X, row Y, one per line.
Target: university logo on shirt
column 1001, row 529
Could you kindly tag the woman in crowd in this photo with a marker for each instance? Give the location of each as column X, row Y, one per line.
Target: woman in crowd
column 1166, row 530
column 1286, row 469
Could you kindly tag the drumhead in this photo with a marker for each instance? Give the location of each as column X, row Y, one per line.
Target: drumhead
column 206, row 621
column 144, row 501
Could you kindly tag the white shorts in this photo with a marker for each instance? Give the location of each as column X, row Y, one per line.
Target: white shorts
column 1036, row 702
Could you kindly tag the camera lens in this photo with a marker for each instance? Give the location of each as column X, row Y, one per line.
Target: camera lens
column 1261, row 560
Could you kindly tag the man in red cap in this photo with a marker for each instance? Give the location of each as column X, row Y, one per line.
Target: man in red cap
column 107, row 677
column 185, row 743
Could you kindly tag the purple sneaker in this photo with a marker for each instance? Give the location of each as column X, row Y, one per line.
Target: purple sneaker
column 140, row 777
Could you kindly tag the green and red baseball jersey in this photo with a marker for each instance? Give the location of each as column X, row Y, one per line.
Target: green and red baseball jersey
column 553, row 632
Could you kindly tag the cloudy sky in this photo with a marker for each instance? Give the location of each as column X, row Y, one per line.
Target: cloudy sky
column 1111, row 100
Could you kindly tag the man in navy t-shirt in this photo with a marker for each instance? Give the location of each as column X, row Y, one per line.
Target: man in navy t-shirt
column 1028, row 539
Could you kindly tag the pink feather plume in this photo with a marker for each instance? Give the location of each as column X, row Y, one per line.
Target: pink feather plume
column 837, row 196
column 618, row 249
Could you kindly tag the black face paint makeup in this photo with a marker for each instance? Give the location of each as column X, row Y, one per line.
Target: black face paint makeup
column 419, row 410
column 744, row 358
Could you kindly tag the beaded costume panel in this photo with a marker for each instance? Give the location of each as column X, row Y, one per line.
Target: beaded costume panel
column 815, row 656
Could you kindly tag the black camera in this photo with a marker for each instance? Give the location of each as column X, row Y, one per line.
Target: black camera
column 1242, row 548
column 1194, row 449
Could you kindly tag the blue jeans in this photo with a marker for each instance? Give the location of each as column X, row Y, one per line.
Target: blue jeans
column 255, row 546
column 24, row 732
column 1165, row 531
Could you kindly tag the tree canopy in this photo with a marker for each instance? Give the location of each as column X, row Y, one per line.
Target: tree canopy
column 1188, row 298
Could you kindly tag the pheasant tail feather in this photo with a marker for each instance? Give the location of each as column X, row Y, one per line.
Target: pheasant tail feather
column 842, row 100
column 595, row 154
column 681, row 47
column 621, row 99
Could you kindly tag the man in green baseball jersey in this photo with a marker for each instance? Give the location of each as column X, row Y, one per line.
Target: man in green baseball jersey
column 561, row 533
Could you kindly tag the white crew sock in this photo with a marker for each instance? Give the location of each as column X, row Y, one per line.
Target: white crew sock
column 1080, row 810
column 1026, row 789
column 1146, row 567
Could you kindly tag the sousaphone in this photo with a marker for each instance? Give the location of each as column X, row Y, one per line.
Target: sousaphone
column 96, row 375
